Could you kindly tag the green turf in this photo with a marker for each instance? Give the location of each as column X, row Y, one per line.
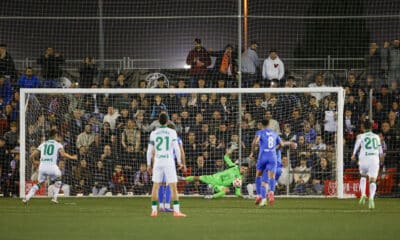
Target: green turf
column 226, row 218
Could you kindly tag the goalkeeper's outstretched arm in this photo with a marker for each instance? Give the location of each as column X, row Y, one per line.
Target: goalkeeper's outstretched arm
column 227, row 158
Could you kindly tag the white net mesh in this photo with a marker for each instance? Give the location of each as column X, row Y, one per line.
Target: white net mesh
column 112, row 128
column 127, row 35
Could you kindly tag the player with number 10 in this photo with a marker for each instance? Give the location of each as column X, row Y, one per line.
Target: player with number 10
column 49, row 151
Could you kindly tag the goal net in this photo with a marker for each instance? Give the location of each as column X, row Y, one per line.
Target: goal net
column 124, row 36
column 109, row 130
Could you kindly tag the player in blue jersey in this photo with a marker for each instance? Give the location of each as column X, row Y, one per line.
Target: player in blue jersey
column 278, row 173
column 164, row 192
column 267, row 141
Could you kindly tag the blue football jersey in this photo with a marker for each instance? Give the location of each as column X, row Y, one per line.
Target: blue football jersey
column 269, row 140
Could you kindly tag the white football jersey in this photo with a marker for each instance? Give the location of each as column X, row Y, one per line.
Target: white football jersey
column 164, row 141
column 49, row 152
column 370, row 145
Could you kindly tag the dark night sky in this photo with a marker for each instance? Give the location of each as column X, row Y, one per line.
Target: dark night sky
column 171, row 38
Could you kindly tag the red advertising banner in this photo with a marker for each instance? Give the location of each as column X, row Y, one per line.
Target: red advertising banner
column 350, row 187
column 42, row 190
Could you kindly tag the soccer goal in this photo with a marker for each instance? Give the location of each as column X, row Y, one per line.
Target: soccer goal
column 109, row 129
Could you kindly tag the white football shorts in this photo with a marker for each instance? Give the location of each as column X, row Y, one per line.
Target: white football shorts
column 168, row 171
column 370, row 167
column 51, row 171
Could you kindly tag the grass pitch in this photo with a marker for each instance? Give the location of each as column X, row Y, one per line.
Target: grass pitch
column 226, row 218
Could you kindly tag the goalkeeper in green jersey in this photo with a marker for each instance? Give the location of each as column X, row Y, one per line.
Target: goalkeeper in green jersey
column 221, row 181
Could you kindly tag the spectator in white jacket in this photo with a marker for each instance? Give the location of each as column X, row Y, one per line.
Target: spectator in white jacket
column 273, row 68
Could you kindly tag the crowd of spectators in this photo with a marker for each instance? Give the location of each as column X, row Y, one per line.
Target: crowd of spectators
column 109, row 132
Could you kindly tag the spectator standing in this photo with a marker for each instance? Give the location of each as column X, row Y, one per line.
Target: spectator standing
column 273, row 69
column 50, row 63
column 5, row 90
column 198, row 59
column 7, row 66
column 373, row 61
column 87, row 72
column 224, row 64
column 28, row 80
column 393, row 56
column 250, row 65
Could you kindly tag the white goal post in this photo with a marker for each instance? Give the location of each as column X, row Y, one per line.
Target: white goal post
column 27, row 94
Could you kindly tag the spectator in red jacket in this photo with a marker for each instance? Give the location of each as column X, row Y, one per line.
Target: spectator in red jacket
column 198, row 59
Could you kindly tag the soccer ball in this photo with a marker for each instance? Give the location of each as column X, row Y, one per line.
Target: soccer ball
column 65, row 82
column 237, row 182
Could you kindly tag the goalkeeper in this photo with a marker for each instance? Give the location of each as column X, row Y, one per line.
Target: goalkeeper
column 221, row 181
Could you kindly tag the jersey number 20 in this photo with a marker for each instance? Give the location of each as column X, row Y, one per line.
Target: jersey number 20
column 368, row 142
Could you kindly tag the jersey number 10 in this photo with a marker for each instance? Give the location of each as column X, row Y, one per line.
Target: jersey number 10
column 48, row 149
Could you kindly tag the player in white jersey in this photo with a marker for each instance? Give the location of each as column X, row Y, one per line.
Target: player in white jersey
column 371, row 152
column 49, row 152
column 162, row 146
column 164, row 192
